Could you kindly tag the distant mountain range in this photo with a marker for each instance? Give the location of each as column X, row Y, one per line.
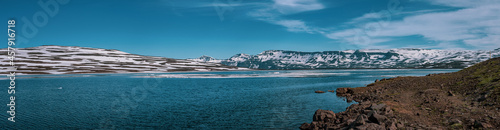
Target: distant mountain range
column 73, row 60
column 206, row 59
column 373, row 58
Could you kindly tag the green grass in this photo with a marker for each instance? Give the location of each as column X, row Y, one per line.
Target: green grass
column 457, row 126
column 393, row 94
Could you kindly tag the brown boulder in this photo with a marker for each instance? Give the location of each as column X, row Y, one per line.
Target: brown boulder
column 374, row 117
column 360, row 120
column 318, row 91
column 376, row 107
column 392, row 126
column 305, row 126
column 479, row 124
column 342, row 91
column 323, row 115
column 450, row 93
column 349, row 99
column 370, row 126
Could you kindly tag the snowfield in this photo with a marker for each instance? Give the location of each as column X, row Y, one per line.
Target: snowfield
column 367, row 58
column 73, row 60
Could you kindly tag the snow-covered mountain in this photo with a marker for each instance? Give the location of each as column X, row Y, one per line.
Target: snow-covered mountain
column 71, row 60
column 372, row 58
column 206, row 59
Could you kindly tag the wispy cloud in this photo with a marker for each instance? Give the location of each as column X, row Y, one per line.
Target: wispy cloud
column 463, row 3
column 296, row 6
column 228, row 3
column 466, row 23
column 295, row 25
column 274, row 14
column 475, row 25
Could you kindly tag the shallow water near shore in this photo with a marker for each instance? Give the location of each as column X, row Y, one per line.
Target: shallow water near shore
column 194, row 100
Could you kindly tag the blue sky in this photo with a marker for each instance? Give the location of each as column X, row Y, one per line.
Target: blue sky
column 222, row 28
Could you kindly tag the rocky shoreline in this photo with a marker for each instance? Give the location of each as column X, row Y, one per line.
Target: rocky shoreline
column 468, row 99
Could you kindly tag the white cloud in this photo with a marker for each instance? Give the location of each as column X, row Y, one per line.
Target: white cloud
column 490, row 41
column 296, row 6
column 295, row 26
column 274, row 14
column 476, row 26
column 368, row 16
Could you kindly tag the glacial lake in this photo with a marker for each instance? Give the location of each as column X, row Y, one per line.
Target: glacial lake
column 193, row 100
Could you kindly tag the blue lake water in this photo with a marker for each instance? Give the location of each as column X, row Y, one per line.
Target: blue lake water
column 201, row 100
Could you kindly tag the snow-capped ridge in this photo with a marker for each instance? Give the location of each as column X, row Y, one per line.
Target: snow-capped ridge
column 205, row 58
column 364, row 58
column 52, row 59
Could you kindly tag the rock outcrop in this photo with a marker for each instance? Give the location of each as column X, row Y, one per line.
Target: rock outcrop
column 318, row 91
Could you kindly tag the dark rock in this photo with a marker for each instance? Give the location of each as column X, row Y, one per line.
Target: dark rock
column 305, row 126
column 331, row 91
column 360, row 120
column 392, row 125
column 431, row 75
column 350, row 121
column 377, row 107
column 377, row 80
column 386, row 110
column 314, row 125
column 342, row 90
column 366, row 111
column 323, row 115
column 400, row 125
column 365, row 103
column 478, row 124
column 376, row 118
column 455, row 121
column 381, row 109
column 370, row 126
column 450, row 93
column 318, row 91
column 482, row 98
column 349, row 99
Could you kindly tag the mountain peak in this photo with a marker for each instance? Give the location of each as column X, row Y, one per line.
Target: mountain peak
column 271, row 51
column 205, row 58
column 241, row 55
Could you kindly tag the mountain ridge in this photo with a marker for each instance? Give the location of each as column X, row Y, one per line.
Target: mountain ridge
column 53, row 59
column 362, row 58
